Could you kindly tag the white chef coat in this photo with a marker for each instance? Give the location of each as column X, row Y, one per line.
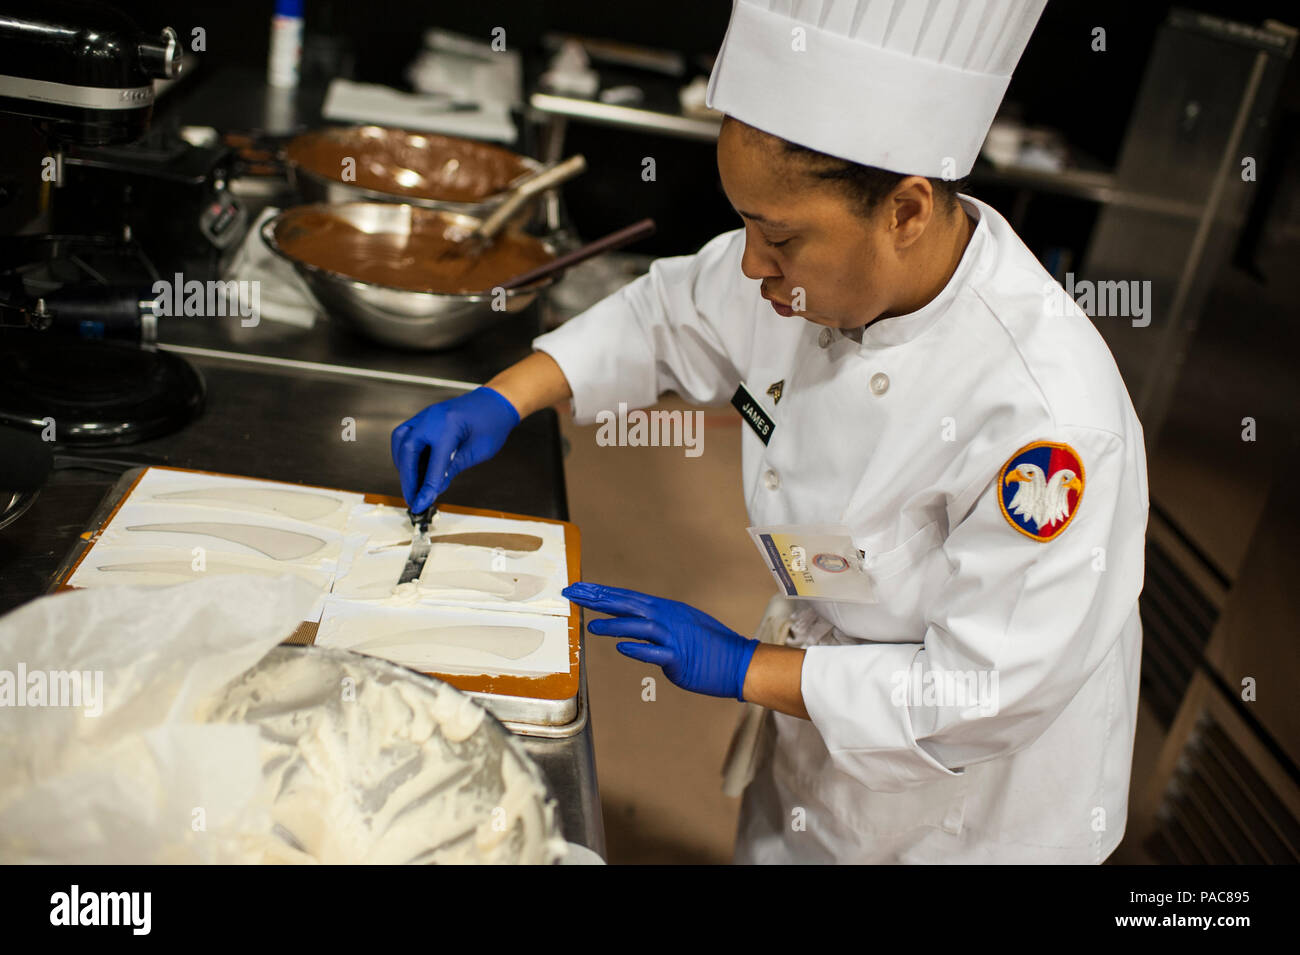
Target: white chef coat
column 902, row 437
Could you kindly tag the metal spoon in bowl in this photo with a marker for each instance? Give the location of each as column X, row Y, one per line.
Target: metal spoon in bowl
column 470, row 246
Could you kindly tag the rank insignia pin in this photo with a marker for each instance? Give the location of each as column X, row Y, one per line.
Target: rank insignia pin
column 775, row 391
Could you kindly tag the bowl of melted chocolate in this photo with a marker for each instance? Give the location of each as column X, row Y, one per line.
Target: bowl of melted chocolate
column 396, row 165
column 403, row 274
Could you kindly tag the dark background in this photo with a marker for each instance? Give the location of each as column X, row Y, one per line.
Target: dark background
column 1060, row 82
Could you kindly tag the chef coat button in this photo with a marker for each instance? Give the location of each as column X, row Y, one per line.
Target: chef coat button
column 824, row 339
column 879, row 383
column 771, row 479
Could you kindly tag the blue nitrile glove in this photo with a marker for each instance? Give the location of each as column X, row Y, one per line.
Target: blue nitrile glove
column 456, row 434
column 696, row 652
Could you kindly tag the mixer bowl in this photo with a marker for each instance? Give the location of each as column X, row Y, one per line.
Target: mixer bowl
column 396, row 316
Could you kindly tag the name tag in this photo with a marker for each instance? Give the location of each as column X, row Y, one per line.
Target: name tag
column 750, row 410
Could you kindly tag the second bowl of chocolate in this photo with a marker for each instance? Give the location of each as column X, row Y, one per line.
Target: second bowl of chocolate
column 397, row 165
column 396, row 272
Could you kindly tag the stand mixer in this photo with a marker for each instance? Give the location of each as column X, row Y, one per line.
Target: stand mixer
column 76, row 343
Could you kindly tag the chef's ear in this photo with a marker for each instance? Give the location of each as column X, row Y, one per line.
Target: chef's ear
column 911, row 206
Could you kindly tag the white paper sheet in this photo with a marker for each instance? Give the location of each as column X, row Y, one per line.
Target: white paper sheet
column 161, row 486
column 108, row 565
column 348, row 624
column 455, row 574
column 218, row 531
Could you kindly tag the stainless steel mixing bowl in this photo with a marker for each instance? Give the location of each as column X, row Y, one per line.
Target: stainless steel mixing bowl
column 314, row 186
column 395, row 316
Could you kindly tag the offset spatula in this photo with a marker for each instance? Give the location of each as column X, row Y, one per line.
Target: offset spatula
column 419, row 545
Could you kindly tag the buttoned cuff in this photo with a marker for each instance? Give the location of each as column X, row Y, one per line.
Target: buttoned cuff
column 857, row 698
column 605, row 359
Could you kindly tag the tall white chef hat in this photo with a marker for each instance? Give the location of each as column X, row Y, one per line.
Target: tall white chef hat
column 911, row 86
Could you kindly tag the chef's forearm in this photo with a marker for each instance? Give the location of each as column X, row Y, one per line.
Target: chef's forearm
column 775, row 680
column 534, row 383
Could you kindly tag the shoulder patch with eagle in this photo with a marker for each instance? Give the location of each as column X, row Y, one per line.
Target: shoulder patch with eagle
column 1040, row 487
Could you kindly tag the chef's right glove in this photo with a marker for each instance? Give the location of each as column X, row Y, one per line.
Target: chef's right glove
column 456, row 434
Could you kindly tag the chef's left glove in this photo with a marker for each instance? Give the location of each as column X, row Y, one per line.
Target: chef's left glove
column 696, row 652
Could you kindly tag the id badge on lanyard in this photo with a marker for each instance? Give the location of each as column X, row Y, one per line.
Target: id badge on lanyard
column 814, row 562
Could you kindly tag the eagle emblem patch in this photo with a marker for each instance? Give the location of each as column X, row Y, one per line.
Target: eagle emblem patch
column 1039, row 489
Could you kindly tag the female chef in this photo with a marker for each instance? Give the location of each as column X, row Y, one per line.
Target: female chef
column 916, row 387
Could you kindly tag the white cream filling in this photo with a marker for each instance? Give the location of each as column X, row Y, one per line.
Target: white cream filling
column 383, row 775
